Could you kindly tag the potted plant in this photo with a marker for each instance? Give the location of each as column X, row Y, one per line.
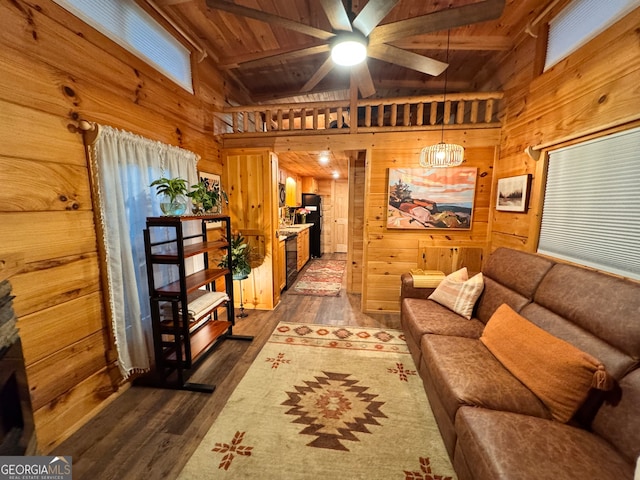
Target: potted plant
column 172, row 193
column 207, row 198
column 240, row 256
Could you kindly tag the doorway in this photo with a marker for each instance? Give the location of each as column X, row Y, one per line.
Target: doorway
column 341, row 216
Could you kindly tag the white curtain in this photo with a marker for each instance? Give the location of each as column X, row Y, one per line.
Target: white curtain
column 123, row 166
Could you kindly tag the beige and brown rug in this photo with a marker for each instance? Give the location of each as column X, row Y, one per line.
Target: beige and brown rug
column 325, row 402
column 321, row 278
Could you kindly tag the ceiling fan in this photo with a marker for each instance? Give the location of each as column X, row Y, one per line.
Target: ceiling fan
column 365, row 29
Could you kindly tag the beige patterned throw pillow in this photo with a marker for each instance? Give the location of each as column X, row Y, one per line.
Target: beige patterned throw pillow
column 458, row 292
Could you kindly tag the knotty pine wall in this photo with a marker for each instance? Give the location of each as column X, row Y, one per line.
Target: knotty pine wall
column 390, row 252
column 594, row 90
column 355, row 250
column 54, row 70
column 383, row 255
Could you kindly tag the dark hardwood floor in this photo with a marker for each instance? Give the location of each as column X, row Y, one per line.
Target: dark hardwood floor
column 150, row 433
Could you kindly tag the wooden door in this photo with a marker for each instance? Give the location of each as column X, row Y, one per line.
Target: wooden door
column 341, row 216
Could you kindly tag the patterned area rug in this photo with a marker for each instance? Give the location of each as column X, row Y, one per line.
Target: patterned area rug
column 322, row 278
column 326, row 402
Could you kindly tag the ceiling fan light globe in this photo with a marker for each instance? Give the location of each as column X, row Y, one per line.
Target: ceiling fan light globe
column 348, row 52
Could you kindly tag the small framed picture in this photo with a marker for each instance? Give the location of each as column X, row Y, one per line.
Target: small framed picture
column 513, row 193
column 211, row 180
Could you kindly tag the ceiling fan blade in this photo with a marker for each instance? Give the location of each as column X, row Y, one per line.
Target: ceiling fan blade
column 404, row 58
column 337, row 15
column 372, row 14
column 362, row 76
column 322, row 72
column 440, row 20
column 279, row 57
column 268, row 18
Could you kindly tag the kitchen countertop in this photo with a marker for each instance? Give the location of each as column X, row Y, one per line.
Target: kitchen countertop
column 292, row 229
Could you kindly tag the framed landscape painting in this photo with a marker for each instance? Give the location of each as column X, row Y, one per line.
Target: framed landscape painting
column 513, row 193
column 436, row 198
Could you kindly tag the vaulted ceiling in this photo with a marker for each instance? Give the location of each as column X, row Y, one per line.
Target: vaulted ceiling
column 261, row 47
column 275, row 51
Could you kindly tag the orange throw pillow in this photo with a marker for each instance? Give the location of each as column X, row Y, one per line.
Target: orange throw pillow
column 558, row 373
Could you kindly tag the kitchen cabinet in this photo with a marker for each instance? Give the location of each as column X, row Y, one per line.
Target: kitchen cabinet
column 282, row 264
column 309, row 185
column 303, row 248
column 251, row 182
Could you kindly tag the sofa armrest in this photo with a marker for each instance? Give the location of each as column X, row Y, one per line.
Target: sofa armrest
column 407, row 290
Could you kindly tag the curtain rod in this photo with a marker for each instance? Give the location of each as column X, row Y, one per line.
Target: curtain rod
column 89, row 130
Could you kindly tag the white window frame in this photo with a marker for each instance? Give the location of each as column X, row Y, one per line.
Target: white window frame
column 131, row 27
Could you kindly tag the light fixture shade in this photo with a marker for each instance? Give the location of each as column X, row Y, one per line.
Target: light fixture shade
column 441, row 155
column 349, row 50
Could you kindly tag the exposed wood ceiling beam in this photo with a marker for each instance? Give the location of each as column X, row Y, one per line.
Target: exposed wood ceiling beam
column 269, row 18
column 317, row 77
column 437, row 21
column 436, row 42
column 240, row 60
column 166, row 3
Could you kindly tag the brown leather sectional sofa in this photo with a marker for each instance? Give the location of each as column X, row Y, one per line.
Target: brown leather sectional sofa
column 492, row 425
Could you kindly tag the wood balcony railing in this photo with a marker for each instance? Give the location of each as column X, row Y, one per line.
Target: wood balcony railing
column 463, row 110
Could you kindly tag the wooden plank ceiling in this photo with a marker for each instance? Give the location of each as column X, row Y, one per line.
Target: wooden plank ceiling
column 239, row 36
column 240, row 45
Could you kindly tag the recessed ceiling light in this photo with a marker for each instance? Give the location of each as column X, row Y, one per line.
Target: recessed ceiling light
column 336, row 175
column 323, row 160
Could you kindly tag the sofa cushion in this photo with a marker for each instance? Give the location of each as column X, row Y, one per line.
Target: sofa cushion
column 560, row 374
column 616, row 361
column 507, row 446
column 463, row 372
column 617, row 419
column 599, row 298
column 494, row 295
column 507, row 267
column 458, row 292
column 426, row 316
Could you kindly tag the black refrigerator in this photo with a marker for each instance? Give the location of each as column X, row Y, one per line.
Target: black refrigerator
column 313, row 203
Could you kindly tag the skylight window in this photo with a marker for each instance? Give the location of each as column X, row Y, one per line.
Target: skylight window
column 579, row 22
column 124, row 22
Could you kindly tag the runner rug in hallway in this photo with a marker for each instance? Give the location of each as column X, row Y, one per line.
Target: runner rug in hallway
column 325, row 401
column 321, row 278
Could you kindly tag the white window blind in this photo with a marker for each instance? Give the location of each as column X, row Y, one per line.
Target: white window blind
column 124, row 22
column 591, row 212
column 579, row 22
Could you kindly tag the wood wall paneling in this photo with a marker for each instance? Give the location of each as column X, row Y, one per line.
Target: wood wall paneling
column 390, row 252
column 592, row 90
column 355, row 251
column 55, row 70
column 252, row 208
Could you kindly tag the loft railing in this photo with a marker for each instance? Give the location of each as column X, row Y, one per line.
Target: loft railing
column 465, row 110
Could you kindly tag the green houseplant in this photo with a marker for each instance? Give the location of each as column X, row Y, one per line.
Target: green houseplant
column 172, row 193
column 206, row 198
column 240, row 257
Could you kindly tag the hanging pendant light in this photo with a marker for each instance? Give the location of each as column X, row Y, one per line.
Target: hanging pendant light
column 442, row 154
